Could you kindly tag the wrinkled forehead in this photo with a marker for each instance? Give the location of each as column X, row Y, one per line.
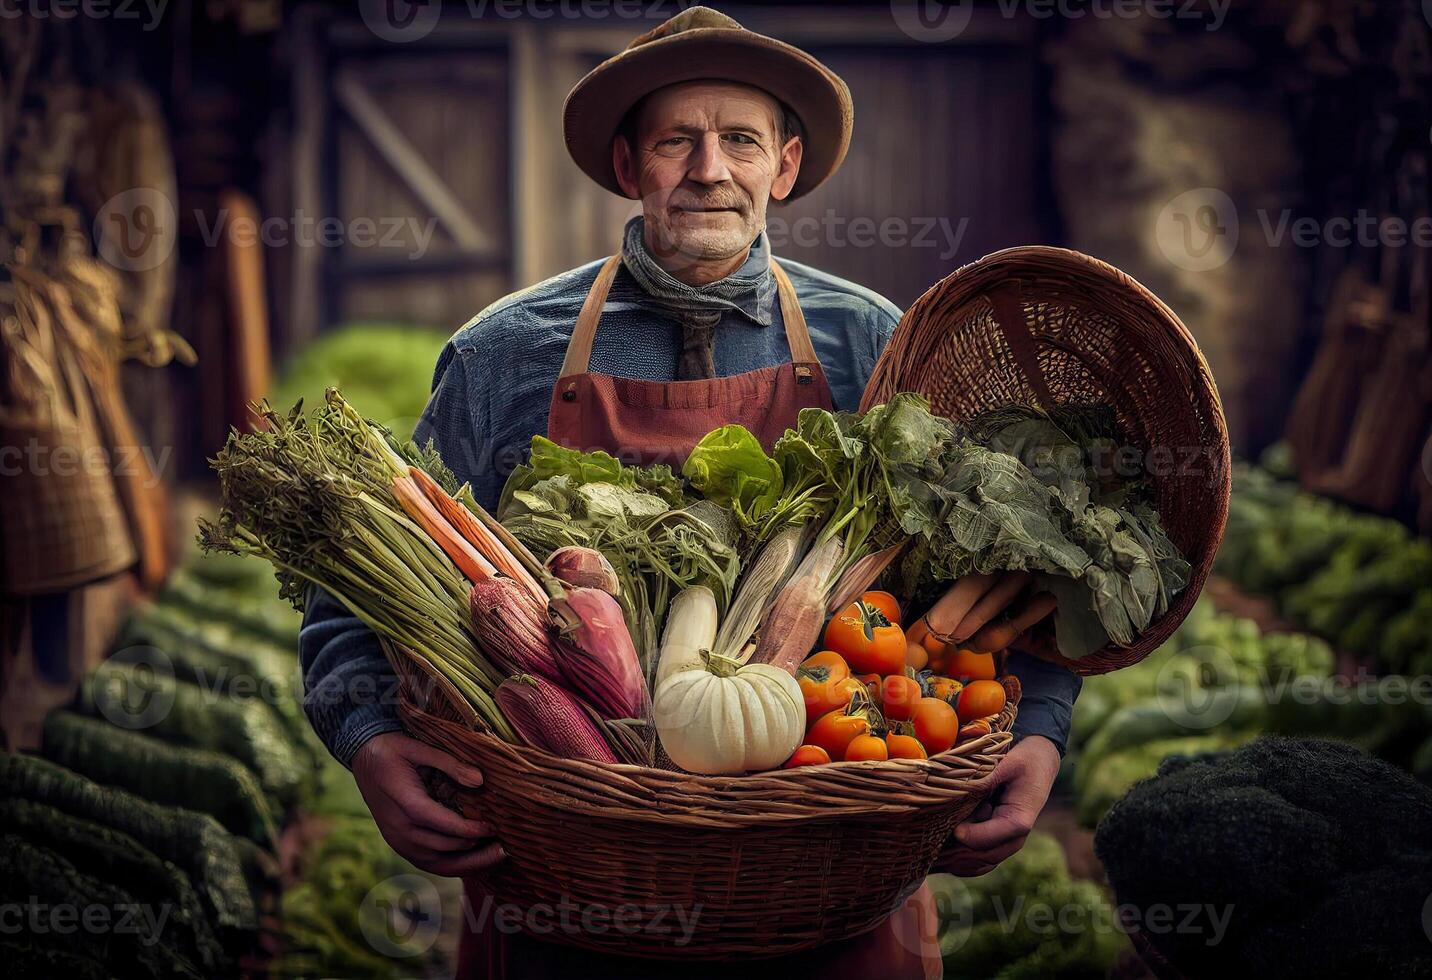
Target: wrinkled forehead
column 710, row 104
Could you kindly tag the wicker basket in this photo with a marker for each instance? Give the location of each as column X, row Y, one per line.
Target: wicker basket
column 768, row 864
column 1046, row 326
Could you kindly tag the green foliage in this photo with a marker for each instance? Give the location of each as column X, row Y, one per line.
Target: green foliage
column 213, row 859
column 1317, row 853
column 199, row 779
column 1363, row 582
column 350, row 875
column 246, row 729
column 386, row 368
column 1026, row 918
column 35, row 875
column 109, row 855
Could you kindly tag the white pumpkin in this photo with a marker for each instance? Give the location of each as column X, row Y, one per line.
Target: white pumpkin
column 719, row 717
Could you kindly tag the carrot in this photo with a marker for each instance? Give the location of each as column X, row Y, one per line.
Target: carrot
column 467, row 558
column 474, row 533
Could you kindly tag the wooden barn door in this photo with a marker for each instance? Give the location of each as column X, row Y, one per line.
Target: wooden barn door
column 408, row 148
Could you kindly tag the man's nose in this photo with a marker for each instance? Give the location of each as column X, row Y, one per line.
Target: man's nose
column 708, row 164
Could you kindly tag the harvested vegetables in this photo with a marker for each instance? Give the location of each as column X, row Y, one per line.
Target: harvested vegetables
column 1298, row 866
column 198, row 779
column 245, row 728
column 109, row 855
column 213, row 860
column 560, row 602
column 969, row 502
column 1007, row 923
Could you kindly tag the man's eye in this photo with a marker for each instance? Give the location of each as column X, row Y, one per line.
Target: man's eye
column 673, row 141
column 739, row 138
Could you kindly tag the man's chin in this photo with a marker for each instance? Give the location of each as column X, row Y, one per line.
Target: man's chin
column 703, row 244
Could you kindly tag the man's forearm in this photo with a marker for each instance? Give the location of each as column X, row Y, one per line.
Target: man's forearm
column 1047, row 705
column 350, row 690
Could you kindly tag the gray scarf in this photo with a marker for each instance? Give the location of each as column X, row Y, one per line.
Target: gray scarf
column 699, row 308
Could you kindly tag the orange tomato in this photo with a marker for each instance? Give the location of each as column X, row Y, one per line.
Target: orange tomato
column 898, row 695
column 980, row 699
column 862, row 636
column 807, row 755
column 866, row 748
column 827, row 696
column 933, row 645
column 944, row 688
column 826, row 683
column 905, row 747
column 974, row 729
column 888, row 605
column 970, row 665
column 829, row 661
column 916, row 657
column 835, row 731
column 871, row 683
column 937, row 726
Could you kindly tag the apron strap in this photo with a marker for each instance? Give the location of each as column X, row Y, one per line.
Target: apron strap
column 579, row 348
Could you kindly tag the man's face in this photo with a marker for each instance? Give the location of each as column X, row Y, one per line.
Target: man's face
column 707, row 158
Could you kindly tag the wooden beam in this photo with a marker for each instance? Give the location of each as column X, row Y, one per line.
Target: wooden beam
column 306, row 312
column 407, row 162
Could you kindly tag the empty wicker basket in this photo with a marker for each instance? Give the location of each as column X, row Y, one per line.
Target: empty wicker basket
column 1042, row 327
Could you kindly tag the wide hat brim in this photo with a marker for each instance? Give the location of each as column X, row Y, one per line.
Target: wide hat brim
column 596, row 106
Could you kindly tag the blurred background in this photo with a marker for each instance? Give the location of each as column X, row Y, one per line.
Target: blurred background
column 208, row 203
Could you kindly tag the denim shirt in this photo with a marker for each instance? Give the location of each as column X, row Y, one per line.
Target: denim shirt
column 492, row 390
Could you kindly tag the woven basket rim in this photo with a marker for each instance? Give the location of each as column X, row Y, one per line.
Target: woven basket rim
column 1045, row 264
column 835, row 790
column 806, row 794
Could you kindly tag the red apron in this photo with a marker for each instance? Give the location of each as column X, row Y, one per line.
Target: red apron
column 648, row 422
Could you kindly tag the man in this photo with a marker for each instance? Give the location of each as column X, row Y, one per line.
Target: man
column 704, row 123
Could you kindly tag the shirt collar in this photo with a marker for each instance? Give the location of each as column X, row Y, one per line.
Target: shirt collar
column 750, row 290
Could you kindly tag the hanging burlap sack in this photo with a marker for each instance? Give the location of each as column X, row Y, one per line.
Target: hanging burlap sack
column 62, row 523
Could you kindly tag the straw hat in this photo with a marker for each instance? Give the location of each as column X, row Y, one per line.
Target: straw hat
column 701, row 43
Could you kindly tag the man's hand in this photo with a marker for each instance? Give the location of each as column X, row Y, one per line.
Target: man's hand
column 1019, row 788
column 432, row 837
column 985, row 613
